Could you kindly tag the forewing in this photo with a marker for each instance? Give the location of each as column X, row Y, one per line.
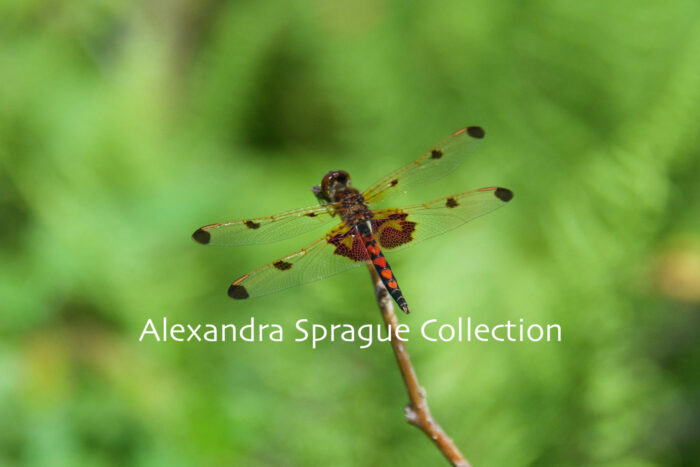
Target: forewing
column 264, row 229
column 403, row 227
column 339, row 250
column 431, row 166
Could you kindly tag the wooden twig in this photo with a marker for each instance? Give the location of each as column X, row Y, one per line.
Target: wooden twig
column 417, row 411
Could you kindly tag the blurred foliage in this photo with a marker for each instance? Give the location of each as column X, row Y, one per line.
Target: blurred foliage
column 126, row 125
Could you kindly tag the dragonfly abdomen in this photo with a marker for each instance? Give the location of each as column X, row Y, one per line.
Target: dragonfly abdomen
column 381, row 265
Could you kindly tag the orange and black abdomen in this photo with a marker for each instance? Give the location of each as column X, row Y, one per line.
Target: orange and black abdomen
column 382, row 266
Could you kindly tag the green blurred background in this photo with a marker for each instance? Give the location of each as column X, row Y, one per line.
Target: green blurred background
column 124, row 126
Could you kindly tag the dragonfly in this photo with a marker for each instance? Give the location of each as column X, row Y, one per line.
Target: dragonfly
column 364, row 231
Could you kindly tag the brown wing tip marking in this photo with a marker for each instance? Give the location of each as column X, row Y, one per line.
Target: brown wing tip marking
column 201, row 236
column 395, row 182
column 237, row 292
column 252, row 225
column 476, row 132
column 504, row 194
column 451, row 203
column 282, row 265
column 473, row 131
column 435, row 154
column 310, row 214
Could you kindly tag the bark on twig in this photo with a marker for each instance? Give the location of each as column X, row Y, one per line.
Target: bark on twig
column 417, row 411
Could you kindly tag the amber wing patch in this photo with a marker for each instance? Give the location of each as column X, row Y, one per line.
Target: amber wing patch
column 393, row 229
column 347, row 243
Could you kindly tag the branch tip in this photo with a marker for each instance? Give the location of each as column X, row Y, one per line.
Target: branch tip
column 417, row 412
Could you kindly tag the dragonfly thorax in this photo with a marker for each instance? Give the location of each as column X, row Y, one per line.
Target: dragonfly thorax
column 352, row 207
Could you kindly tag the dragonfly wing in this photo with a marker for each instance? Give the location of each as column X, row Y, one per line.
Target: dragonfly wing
column 431, row 166
column 403, row 227
column 264, row 229
column 339, row 250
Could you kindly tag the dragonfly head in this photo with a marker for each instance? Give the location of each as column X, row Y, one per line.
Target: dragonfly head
column 334, row 182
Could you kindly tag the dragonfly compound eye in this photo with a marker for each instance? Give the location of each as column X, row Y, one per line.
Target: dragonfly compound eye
column 341, row 177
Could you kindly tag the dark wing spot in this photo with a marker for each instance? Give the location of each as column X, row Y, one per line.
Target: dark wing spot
column 311, row 214
column 252, row 225
column 394, row 182
column 451, row 203
column 201, row 236
column 435, row 154
column 282, row 265
column 504, row 194
column 476, row 132
column 238, row 292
